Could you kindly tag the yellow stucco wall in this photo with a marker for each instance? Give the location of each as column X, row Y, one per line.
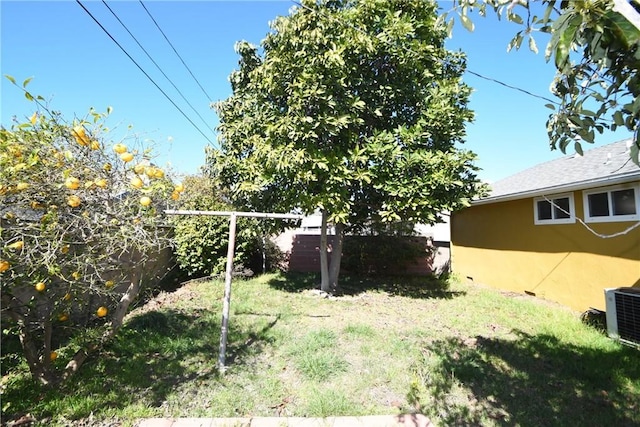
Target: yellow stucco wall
column 500, row 246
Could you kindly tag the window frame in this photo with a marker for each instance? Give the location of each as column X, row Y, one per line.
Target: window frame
column 553, row 221
column 608, row 190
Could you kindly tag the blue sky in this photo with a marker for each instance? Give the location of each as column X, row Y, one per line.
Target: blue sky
column 75, row 65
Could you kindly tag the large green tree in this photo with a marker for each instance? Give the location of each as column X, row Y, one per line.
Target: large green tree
column 594, row 46
column 354, row 108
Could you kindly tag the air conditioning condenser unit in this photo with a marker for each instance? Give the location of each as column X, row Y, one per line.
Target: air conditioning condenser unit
column 623, row 314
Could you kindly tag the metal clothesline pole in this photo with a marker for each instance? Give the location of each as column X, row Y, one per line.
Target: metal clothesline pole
column 229, row 270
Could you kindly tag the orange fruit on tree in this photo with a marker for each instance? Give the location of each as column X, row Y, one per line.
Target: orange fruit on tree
column 4, row 265
column 120, row 148
column 53, row 356
column 109, row 284
column 179, row 188
column 139, row 168
column 73, row 201
column 95, row 145
column 126, row 157
column 63, row 317
column 16, row 245
column 145, row 201
column 136, row 182
column 175, row 195
column 101, row 182
column 40, row 286
column 17, row 152
column 153, row 172
column 80, row 135
column 102, row 311
column 72, row 183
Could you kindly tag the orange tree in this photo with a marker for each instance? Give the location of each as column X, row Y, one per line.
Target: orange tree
column 80, row 224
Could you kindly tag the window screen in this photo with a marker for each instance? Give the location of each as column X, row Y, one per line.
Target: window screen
column 624, row 202
column 561, row 209
column 612, row 204
column 598, row 204
column 544, row 210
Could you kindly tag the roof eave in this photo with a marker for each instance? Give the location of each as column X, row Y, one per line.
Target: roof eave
column 574, row 186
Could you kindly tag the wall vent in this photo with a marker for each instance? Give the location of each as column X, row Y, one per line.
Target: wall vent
column 623, row 314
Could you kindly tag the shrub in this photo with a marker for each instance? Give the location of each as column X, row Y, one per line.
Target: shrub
column 80, row 228
column 202, row 241
column 382, row 254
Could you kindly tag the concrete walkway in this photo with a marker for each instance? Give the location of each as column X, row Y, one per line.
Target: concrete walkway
column 409, row 420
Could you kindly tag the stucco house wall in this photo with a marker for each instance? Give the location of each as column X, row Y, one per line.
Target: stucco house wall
column 500, row 241
column 499, row 245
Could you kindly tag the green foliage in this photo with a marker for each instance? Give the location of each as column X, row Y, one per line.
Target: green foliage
column 354, row 109
column 360, row 123
column 201, row 242
column 74, row 231
column 595, row 49
column 382, row 254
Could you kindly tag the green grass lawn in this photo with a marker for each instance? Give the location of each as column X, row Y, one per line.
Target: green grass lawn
column 461, row 354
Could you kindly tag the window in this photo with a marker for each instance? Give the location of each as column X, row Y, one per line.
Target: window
column 556, row 209
column 618, row 203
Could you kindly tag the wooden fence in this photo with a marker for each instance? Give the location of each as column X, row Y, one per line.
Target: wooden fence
column 303, row 255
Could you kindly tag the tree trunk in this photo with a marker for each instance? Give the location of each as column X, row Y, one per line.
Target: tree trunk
column 324, row 263
column 336, row 257
column 116, row 322
column 39, row 366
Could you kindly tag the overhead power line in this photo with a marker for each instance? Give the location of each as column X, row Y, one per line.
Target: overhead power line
column 176, row 52
column 143, row 72
column 158, row 67
column 354, row 27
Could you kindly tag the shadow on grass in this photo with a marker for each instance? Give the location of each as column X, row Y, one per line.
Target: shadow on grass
column 154, row 353
column 295, row 282
column 532, row 381
column 422, row 287
column 253, row 343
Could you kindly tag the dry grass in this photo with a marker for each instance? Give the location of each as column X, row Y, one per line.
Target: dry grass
column 461, row 354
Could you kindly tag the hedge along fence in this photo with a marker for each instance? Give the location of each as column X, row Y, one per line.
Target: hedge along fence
column 363, row 255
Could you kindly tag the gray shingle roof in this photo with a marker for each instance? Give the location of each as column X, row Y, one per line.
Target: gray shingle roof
column 596, row 167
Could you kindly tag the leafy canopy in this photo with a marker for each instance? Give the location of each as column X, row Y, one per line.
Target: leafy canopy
column 594, row 47
column 354, row 108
